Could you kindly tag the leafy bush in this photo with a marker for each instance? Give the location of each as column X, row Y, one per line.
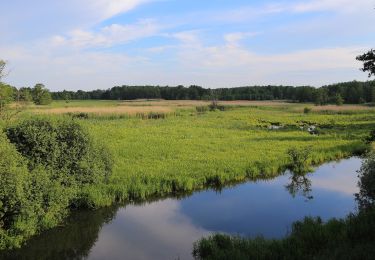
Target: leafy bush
column 371, row 137
column 299, row 159
column 30, row 201
column 41, row 95
column 36, row 190
column 307, row 110
column 13, row 179
column 64, row 148
column 366, row 195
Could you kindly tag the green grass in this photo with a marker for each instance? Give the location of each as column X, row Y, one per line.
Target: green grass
column 188, row 150
column 191, row 151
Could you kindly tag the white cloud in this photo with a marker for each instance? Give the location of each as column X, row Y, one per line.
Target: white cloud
column 109, row 8
column 233, row 39
column 332, row 5
column 108, row 36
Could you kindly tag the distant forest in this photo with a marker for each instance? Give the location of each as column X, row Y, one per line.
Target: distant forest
column 354, row 92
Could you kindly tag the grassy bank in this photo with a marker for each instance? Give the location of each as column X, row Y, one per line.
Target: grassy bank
column 191, row 151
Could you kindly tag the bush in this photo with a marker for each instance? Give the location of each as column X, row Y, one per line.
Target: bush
column 36, row 190
column 366, row 195
column 13, row 179
column 307, row 110
column 64, row 148
column 299, row 160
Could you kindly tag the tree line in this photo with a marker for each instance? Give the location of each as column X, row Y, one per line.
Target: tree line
column 354, row 92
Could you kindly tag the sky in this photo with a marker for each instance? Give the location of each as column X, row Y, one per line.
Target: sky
column 97, row 44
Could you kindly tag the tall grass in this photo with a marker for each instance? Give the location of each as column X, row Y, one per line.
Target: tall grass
column 181, row 154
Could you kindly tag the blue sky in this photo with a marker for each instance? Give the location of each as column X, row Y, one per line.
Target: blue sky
column 91, row 44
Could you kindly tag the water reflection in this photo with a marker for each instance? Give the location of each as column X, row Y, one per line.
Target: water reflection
column 74, row 240
column 300, row 184
column 166, row 229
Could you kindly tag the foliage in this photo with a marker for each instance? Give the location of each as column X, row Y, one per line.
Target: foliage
column 339, row 100
column 6, row 96
column 54, row 144
column 25, row 95
column 371, row 137
column 38, row 183
column 368, row 60
column 41, row 96
column 366, row 195
column 307, row 110
column 350, row 92
column 299, row 159
column 2, row 69
column 13, row 182
column 350, row 238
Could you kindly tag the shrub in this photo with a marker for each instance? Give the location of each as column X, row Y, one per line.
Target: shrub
column 64, row 148
column 307, row 110
column 366, row 195
column 36, row 190
column 299, row 160
column 13, row 178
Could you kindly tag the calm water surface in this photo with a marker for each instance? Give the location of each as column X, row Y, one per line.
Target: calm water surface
column 166, row 229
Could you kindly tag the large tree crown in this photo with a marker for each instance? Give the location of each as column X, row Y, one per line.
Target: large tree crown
column 368, row 60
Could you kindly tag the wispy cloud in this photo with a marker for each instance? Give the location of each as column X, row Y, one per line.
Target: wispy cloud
column 108, row 36
column 110, row 8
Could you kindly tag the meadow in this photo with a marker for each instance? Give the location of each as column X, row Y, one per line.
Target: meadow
column 185, row 150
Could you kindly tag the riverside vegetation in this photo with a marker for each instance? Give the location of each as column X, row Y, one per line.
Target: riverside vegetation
column 57, row 162
column 350, row 238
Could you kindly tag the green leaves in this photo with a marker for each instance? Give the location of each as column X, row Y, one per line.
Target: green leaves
column 47, row 164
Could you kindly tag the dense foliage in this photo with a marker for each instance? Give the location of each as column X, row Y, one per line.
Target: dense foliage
column 368, row 60
column 350, row 92
column 349, row 238
column 64, row 147
column 39, row 95
column 47, row 165
column 366, row 195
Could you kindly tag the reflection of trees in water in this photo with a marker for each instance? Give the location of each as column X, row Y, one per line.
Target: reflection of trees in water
column 300, row 184
column 71, row 241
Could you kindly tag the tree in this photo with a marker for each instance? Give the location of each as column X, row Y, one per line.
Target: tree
column 6, row 91
column 25, row 95
column 368, row 60
column 41, row 95
column 339, row 100
column 2, row 69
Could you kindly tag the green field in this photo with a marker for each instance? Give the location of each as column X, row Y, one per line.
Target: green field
column 189, row 150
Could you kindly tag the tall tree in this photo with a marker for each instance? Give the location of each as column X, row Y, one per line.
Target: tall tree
column 368, row 60
column 41, row 95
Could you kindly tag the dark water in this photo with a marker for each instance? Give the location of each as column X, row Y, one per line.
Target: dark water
column 166, row 229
